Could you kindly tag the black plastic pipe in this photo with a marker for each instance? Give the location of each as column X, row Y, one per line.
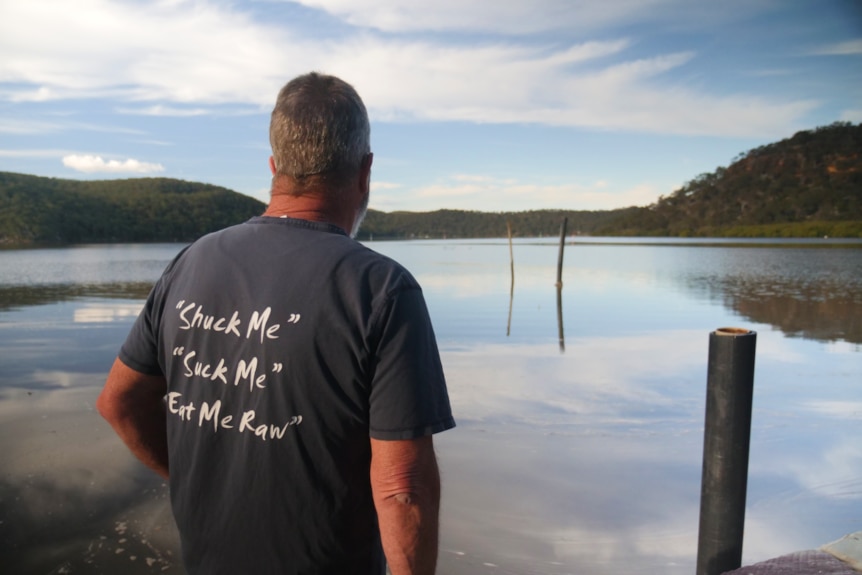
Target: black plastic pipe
column 727, row 437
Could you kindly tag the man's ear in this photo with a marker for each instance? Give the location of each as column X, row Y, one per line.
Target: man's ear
column 272, row 165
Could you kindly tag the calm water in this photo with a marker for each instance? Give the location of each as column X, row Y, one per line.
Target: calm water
column 579, row 454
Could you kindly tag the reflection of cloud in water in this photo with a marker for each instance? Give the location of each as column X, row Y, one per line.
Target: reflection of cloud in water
column 840, row 409
column 42, row 379
column 530, row 501
column 801, row 498
column 463, row 284
column 104, row 313
column 58, row 431
column 585, row 462
column 626, row 378
column 834, row 473
column 86, row 532
column 68, row 486
column 565, row 462
column 842, row 347
column 590, row 461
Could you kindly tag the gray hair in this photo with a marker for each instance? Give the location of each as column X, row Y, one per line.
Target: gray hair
column 319, row 127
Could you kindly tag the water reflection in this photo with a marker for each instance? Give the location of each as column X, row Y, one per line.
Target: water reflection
column 21, row 296
column 85, row 264
column 582, row 462
column 597, row 456
column 812, row 292
column 105, row 313
column 824, row 312
column 71, row 499
column 561, row 335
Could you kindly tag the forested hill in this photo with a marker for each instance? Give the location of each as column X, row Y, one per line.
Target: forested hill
column 36, row 210
column 467, row 224
column 809, row 184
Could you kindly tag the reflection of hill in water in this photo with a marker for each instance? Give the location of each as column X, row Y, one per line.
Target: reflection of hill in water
column 825, row 311
column 12, row 297
column 818, row 308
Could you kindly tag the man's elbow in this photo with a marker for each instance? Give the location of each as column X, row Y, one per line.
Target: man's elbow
column 424, row 493
column 108, row 407
column 119, row 394
column 411, row 485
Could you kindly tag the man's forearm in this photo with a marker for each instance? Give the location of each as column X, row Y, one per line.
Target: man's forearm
column 145, row 434
column 407, row 497
column 133, row 404
column 409, row 532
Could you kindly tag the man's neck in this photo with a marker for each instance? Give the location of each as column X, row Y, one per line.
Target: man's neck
column 313, row 207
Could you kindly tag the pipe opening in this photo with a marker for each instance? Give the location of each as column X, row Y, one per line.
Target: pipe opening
column 732, row 331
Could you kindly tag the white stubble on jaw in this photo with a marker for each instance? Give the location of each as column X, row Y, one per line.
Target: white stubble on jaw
column 360, row 216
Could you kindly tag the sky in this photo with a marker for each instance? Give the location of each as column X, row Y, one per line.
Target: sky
column 490, row 105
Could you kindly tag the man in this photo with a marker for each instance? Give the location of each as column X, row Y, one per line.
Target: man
column 285, row 378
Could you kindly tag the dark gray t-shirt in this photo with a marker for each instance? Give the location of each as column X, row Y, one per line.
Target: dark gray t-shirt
column 285, row 345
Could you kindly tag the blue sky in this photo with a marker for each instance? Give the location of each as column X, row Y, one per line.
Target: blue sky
column 492, row 105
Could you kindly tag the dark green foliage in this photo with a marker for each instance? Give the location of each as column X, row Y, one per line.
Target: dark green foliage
column 464, row 224
column 813, row 180
column 809, row 185
column 36, row 210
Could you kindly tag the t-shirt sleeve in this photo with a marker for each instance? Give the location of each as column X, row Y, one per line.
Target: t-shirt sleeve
column 140, row 350
column 409, row 398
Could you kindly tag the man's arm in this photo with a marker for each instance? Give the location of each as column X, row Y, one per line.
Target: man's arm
column 133, row 403
column 406, row 486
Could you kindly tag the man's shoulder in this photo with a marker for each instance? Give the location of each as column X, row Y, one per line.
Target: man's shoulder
column 376, row 267
column 311, row 247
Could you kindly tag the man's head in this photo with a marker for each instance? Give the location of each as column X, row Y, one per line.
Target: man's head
column 319, row 132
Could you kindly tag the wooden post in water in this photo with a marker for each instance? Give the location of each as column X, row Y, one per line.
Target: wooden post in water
column 512, row 284
column 560, row 257
column 560, row 318
column 559, row 285
column 727, row 436
column 511, row 255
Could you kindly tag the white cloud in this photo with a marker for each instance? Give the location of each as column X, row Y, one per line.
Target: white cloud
column 15, row 126
column 850, row 48
column 507, row 83
column 375, row 186
column 175, row 51
column 851, row 115
column 482, row 179
column 18, row 126
column 159, row 110
column 96, row 164
column 768, row 73
column 41, row 94
column 515, row 17
column 32, row 153
column 155, row 142
column 207, row 52
column 482, row 192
